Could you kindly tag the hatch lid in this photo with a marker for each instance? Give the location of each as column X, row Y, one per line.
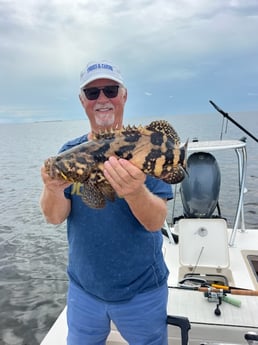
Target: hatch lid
column 203, row 243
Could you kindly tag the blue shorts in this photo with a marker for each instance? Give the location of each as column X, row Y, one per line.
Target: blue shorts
column 140, row 321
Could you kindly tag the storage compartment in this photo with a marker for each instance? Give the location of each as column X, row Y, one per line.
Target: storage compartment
column 203, row 250
column 251, row 260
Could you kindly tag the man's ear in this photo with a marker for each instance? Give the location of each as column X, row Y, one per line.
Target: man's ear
column 125, row 95
column 81, row 99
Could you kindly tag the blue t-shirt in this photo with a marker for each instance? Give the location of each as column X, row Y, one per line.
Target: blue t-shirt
column 111, row 255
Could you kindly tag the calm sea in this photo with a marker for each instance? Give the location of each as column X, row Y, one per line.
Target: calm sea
column 33, row 254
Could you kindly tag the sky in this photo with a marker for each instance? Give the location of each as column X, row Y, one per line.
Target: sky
column 175, row 55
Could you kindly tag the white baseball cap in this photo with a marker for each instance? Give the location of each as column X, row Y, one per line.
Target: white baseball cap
column 100, row 70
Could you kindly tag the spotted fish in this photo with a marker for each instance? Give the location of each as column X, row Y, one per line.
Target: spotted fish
column 155, row 149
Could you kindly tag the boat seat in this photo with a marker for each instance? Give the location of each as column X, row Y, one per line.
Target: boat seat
column 184, row 325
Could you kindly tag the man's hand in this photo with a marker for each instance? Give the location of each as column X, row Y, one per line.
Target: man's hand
column 124, row 177
column 54, row 205
column 128, row 182
column 53, row 185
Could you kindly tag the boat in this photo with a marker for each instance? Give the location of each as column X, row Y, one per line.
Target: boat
column 213, row 281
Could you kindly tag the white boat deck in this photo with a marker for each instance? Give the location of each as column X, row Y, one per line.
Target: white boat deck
column 197, row 308
column 233, row 322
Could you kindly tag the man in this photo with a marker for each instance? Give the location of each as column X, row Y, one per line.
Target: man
column 116, row 268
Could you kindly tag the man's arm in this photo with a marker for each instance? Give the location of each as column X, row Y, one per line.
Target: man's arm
column 54, row 205
column 128, row 182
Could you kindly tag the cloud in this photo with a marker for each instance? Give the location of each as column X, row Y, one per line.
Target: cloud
column 45, row 44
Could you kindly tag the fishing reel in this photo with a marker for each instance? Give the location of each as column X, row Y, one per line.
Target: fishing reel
column 192, row 283
column 215, row 297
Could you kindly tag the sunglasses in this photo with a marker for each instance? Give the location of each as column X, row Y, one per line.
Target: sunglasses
column 92, row 93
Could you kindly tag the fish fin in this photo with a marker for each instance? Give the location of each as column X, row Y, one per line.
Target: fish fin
column 107, row 190
column 183, row 154
column 176, row 174
column 92, row 195
column 104, row 135
column 164, row 127
column 173, row 176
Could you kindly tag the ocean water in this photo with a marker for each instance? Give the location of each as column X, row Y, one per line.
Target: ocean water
column 33, row 254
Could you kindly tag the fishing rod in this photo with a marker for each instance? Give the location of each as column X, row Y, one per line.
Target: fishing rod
column 243, row 292
column 225, row 290
column 233, row 121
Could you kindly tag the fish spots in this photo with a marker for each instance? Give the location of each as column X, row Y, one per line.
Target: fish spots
column 133, row 137
column 125, row 151
column 157, row 138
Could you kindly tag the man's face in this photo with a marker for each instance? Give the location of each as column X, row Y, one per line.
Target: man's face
column 104, row 112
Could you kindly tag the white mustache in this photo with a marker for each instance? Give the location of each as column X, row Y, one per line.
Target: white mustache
column 105, row 106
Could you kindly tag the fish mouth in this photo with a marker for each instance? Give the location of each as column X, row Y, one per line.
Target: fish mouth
column 47, row 164
column 52, row 169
